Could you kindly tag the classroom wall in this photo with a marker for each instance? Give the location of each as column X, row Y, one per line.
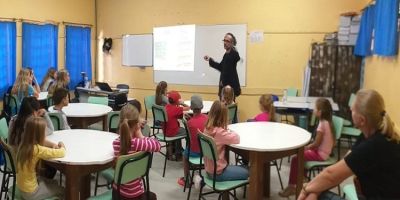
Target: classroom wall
column 382, row 74
column 277, row 63
column 76, row 11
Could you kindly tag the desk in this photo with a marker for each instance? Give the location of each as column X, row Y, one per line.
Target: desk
column 84, row 93
column 206, row 106
column 81, row 115
column 265, row 142
column 305, row 103
column 43, row 96
column 87, row 151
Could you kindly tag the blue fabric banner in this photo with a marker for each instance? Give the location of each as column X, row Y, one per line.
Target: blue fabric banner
column 364, row 40
column 7, row 55
column 386, row 41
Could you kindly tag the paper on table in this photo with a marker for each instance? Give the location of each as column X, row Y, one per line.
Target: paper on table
column 257, row 36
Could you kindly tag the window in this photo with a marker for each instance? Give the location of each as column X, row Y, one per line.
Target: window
column 7, row 55
column 78, row 53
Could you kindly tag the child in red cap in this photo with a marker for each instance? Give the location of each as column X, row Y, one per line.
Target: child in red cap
column 172, row 128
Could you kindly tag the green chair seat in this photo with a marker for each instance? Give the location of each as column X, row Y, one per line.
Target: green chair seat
column 347, row 122
column 350, row 192
column 311, row 164
column 104, row 196
column 224, row 185
column 108, row 174
column 350, row 131
column 160, row 137
column 194, row 160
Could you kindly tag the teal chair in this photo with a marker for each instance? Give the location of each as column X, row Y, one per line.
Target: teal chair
column 194, row 162
column 103, row 100
column 291, row 92
column 159, row 114
column 113, row 121
column 128, row 168
column 348, row 131
column 11, row 104
column 8, row 170
column 232, row 113
column 209, row 150
column 350, row 103
column 350, row 192
column 49, row 101
column 316, row 166
column 149, row 101
column 57, row 120
column 3, row 128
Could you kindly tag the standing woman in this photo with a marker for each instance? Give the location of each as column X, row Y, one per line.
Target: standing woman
column 227, row 67
column 50, row 77
column 374, row 159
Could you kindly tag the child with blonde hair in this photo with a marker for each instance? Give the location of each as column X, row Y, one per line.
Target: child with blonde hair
column 30, row 151
column 227, row 95
column 267, row 108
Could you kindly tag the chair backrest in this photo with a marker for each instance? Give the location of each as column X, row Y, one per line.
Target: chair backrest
column 208, row 149
column 98, row 100
column 232, row 112
column 159, row 113
column 131, row 167
column 146, row 130
column 9, row 155
column 291, row 92
column 3, row 128
column 338, row 125
column 120, row 101
column 10, row 103
column 113, row 121
column 122, row 86
column 351, row 99
column 49, row 101
column 148, row 103
column 57, row 120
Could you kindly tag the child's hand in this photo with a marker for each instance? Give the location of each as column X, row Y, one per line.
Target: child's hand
column 41, row 112
column 61, row 145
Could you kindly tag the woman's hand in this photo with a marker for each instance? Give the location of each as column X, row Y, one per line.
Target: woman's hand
column 41, row 112
column 206, row 58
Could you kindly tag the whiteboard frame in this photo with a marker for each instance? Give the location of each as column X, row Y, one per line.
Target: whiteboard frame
column 147, row 63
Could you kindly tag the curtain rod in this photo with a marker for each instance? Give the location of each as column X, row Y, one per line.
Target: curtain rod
column 76, row 24
column 39, row 22
column 8, row 19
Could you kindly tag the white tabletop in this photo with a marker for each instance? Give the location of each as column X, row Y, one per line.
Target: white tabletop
column 206, row 106
column 43, row 96
column 84, row 146
column 303, row 103
column 269, row 136
column 85, row 110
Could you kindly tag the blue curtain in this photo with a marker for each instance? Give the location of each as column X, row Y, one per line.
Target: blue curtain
column 78, row 53
column 39, row 48
column 7, row 55
column 386, row 35
column 364, row 39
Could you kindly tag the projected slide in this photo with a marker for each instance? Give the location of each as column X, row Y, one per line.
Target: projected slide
column 174, row 48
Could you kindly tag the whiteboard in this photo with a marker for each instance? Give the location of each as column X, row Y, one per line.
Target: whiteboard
column 137, row 50
column 208, row 41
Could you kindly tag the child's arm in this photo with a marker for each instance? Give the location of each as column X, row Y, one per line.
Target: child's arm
column 49, row 144
column 48, row 153
column 145, row 144
column 229, row 137
column 317, row 141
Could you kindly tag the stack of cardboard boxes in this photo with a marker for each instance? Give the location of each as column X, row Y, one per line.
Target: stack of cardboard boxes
column 348, row 29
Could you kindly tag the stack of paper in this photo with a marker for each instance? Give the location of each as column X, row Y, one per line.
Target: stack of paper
column 348, row 30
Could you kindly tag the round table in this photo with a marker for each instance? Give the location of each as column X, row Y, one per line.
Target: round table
column 206, row 106
column 264, row 142
column 87, row 151
column 81, row 115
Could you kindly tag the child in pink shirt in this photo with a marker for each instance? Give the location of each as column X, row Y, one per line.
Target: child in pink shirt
column 267, row 108
column 216, row 127
column 320, row 148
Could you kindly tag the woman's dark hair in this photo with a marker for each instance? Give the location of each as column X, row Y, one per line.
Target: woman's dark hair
column 160, row 92
column 28, row 106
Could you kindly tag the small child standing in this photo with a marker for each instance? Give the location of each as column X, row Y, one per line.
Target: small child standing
column 30, row 151
column 267, row 108
column 196, row 123
column 60, row 99
column 131, row 140
column 172, row 128
column 216, row 128
column 320, row 148
column 227, row 95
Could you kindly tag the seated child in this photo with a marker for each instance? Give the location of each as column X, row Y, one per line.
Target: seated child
column 195, row 123
column 172, row 127
column 267, row 108
column 60, row 100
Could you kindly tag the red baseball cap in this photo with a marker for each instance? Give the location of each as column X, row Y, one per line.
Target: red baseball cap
column 174, row 95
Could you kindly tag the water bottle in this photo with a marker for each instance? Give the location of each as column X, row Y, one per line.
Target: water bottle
column 284, row 98
column 86, row 79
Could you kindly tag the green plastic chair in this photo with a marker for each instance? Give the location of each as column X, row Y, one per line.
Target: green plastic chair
column 8, row 170
column 98, row 100
column 232, row 113
column 159, row 114
column 208, row 150
column 128, row 168
column 57, row 120
column 194, row 162
column 350, row 192
column 313, row 166
column 146, row 130
column 3, row 128
column 113, row 121
column 149, row 101
column 11, row 105
column 49, row 101
column 291, row 92
column 350, row 103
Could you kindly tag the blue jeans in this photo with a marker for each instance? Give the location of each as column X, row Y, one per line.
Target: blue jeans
column 232, row 173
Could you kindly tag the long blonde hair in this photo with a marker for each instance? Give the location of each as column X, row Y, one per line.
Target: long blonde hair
column 51, row 72
column 34, row 134
column 218, row 116
column 61, row 82
column 267, row 104
column 371, row 105
column 22, row 82
column 227, row 95
column 129, row 120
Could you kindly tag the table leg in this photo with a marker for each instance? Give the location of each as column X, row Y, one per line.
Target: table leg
column 85, row 187
column 72, row 187
column 300, row 171
column 267, row 178
column 105, row 123
column 256, row 176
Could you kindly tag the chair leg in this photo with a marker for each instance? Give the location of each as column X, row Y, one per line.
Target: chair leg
column 190, row 185
column 96, row 184
column 279, row 173
column 201, row 191
column 165, row 160
column 244, row 191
